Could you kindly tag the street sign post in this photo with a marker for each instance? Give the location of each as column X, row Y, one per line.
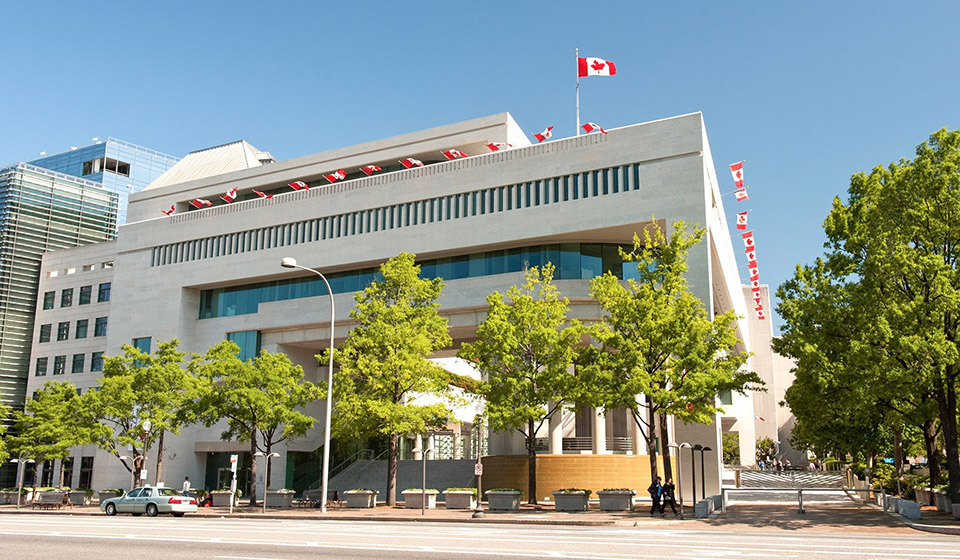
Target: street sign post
column 233, row 480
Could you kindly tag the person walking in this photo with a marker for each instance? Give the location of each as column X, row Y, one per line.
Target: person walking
column 656, row 491
column 186, row 486
column 669, row 497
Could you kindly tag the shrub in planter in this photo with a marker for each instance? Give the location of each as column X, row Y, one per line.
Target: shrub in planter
column 107, row 493
column 504, row 499
column 616, row 499
column 413, row 498
column 460, row 498
column 571, row 499
column 361, row 498
column 81, row 496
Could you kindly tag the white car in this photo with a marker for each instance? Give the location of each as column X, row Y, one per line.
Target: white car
column 151, row 501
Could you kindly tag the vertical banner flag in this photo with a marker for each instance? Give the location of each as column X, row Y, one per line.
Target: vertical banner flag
column 592, row 66
column 748, row 239
column 741, row 220
column 751, row 254
column 736, row 169
column 741, row 195
column 760, row 314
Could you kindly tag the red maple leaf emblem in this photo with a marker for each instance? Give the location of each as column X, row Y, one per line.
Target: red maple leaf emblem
column 597, row 65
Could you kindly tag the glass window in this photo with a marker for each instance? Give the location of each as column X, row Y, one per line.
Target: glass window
column 81, row 331
column 104, row 293
column 96, row 361
column 45, row 332
column 569, row 266
column 59, row 364
column 726, row 398
column 48, row 299
column 249, row 343
column 143, row 344
column 66, row 297
column 41, row 368
column 100, row 327
column 63, row 330
column 78, row 360
column 591, row 260
column 85, row 293
column 611, row 260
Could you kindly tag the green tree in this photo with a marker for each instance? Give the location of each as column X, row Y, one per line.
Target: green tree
column 383, row 364
column 526, row 353
column 4, row 414
column 894, row 248
column 259, row 398
column 52, row 422
column 766, row 449
column 731, row 448
column 140, row 390
column 657, row 341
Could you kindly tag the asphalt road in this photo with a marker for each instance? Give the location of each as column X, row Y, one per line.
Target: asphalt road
column 81, row 537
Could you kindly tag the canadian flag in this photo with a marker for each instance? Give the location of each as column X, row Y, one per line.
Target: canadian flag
column 370, row 169
column 747, row 239
column 541, row 136
column 761, row 418
column 751, row 254
column 170, row 211
column 760, row 315
column 297, row 185
column 262, row 195
column 741, row 195
column 592, row 66
column 736, row 169
column 758, row 300
column 230, row 196
column 497, row 146
column 200, row 203
column 754, row 271
column 411, row 162
column 590, row 127
column 454, row 154
column 755, row 282
column 336, row 176
column 741, row 220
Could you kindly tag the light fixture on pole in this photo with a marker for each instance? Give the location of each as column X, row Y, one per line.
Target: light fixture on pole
column 678, row 447
column 145, row 437
column 423, row 482
column 703, row 474
column 693, row 468
column 21, row 466
column 266, row 474
column 290, row 262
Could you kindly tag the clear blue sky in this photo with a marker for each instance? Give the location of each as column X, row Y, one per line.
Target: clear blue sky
column 806, row 92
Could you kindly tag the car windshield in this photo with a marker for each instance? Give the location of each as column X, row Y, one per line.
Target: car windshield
column 168, row 492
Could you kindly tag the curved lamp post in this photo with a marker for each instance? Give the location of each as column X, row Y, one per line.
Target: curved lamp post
column 290, row 262
column 266, row 474
column 21, row 466
column 678, row 447
column 423, row 483
column 703, row 474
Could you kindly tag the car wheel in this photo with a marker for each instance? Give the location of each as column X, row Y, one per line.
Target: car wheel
column 152, row 510
column 111, row 509
column 178, row 514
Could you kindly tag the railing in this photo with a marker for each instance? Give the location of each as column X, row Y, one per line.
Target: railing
column 362, row 454
column 578, row 444
column 799, row 492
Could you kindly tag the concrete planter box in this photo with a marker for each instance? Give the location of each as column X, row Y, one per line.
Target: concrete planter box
column 221, row 499
column 80, row 498
column 501, row 500
column 703, row 508
column 106, row 495
column 956, row 511
column 717, row 502
column 8, row 497
column 280, row 498
column 460, row 499
column 616, row 500
column 923, row 496
column 413, row 499
column 943, row 501
column 361, row 498
column 571, row 501
column 909, row 509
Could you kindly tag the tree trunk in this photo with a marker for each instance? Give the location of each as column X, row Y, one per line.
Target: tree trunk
column 253, row 466
column 531, row 464
column 665, row 437
column 392, row 469
column 652, row 444
column 266, row 469
column 61, row 474
column 932, row 448
column 898, row 455
column 946, row 395
column 159, row 459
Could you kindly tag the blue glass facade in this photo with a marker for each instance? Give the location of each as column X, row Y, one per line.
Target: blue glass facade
column 577, row 261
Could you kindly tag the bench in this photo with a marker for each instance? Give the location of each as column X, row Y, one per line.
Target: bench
column 333, row 498
column 51, row 500
column 311, row 498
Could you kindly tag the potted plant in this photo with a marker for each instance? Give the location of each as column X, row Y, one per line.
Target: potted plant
column 616, row 499
column 504, row 499
column 361, row 498
column 571, row 499
column 107, row 493
column 942, row 499
column 221, row 497
column 413, row 498
column 81, row 496
column 460, row 498
column 282, row 498
column 8, row 496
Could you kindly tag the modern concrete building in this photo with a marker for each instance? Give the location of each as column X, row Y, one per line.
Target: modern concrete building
column 214, row 273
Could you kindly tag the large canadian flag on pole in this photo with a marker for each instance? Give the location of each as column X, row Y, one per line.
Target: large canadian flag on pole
column 592, row 66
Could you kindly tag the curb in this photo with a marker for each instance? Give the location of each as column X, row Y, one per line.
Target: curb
column 942, row 529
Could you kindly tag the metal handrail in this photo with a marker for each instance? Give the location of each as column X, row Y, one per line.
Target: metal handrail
column 799, row 491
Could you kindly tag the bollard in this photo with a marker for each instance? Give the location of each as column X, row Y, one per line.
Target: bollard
column 800, row 499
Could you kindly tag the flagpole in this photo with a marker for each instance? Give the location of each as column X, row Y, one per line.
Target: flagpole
column 578, row 90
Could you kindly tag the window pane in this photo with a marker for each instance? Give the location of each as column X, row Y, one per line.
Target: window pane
column 81, row 331
column 48, row 299
column 85, row 293
column 569, row 266
column 591, row 261
column 66, row 297
column 78, row 360
column 103, row 294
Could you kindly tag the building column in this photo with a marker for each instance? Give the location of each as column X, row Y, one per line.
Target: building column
column 599, row 432
column 456, row 442
column 418, row 444
column 556, row 430
column 638, row 444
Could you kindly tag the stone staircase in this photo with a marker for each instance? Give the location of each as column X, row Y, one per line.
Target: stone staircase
column 372, row 474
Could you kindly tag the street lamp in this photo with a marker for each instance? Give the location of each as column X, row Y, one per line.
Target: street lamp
column 423, row 482
column 290, row 262
column 266, row 474
column 678, row 447
column 133, row 467
column 21, row 465
column 703, row 475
